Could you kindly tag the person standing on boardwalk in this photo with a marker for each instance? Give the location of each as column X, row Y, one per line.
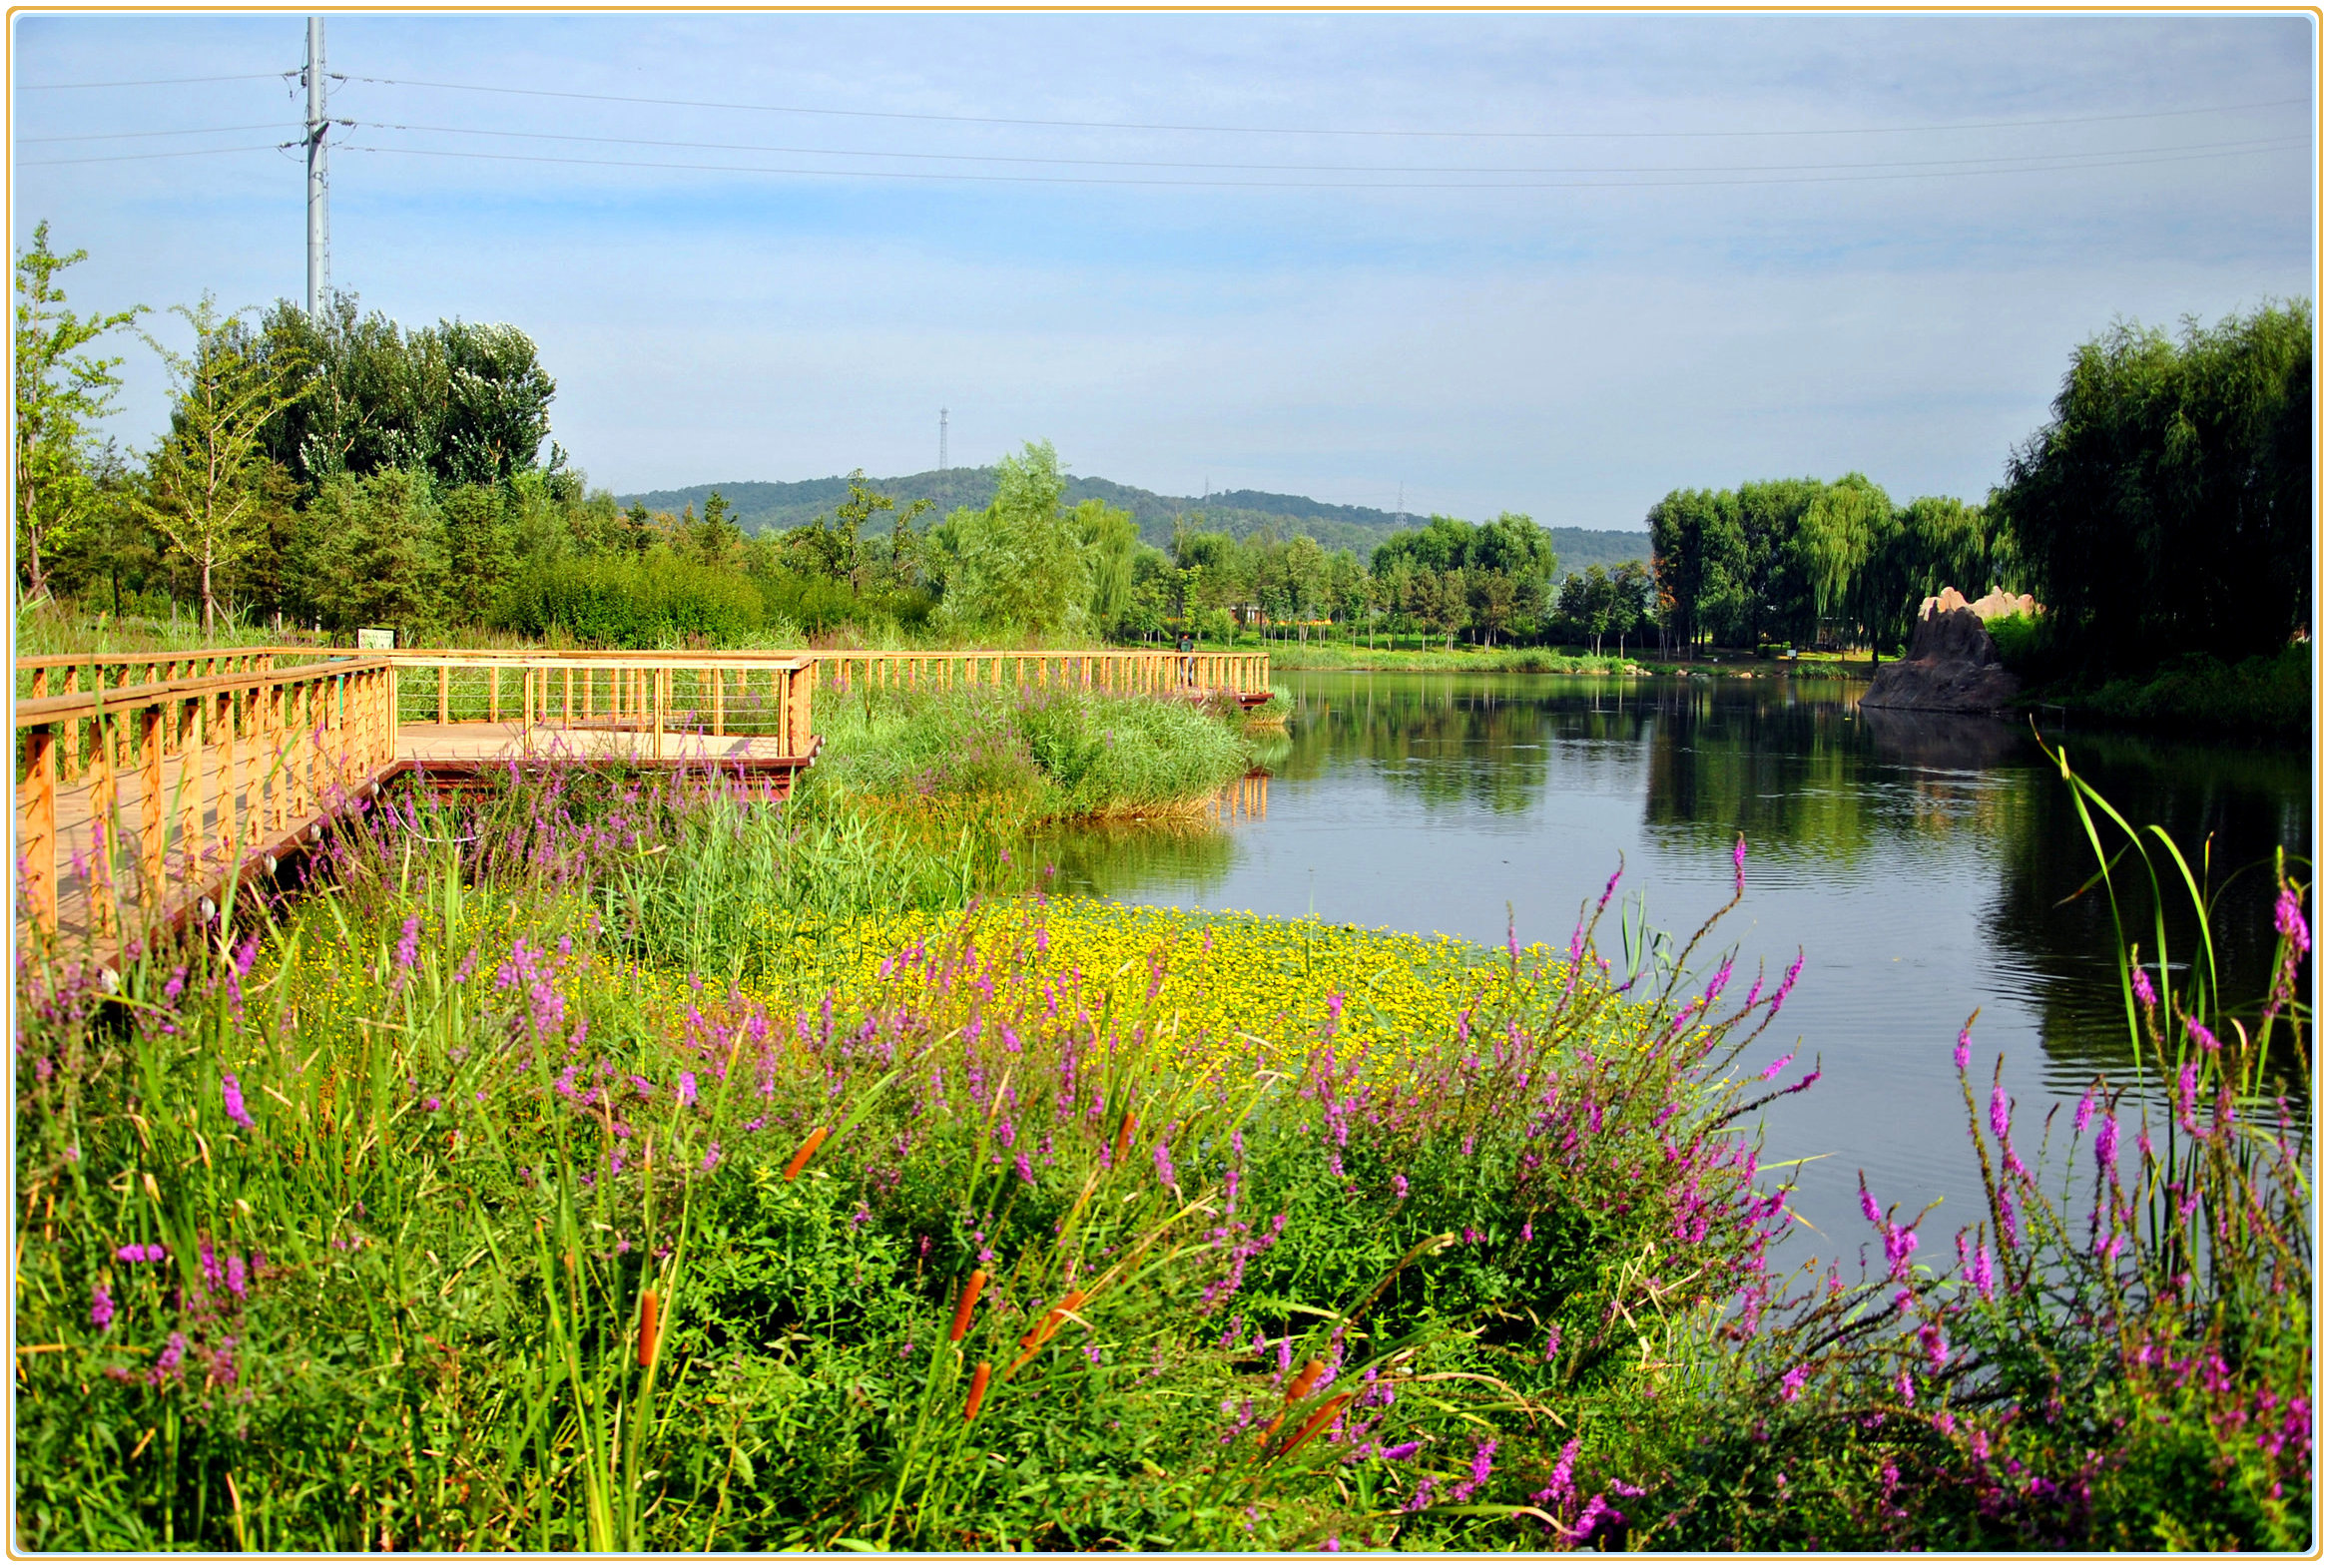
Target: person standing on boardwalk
column 1188, row 648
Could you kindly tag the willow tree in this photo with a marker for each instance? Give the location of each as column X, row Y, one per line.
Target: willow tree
column 2167, row 504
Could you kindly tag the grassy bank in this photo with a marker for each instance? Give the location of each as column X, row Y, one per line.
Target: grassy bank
column 625, row 1165
column 1015, row 759
column 1484, row 661
column 2260, row 695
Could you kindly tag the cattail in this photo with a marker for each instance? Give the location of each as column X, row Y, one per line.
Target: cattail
column 1052, row 1321
column 793, row 1167
column 966, row 1303
column 1318, row 1420
column 1124, row 1139
column 979, row 1392
column 1303, row 1383
column 647, row 1327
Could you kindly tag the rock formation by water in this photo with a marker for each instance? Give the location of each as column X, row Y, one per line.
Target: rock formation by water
column 1952, row 666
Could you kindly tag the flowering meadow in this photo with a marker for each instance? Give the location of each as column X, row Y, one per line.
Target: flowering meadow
column 606, row 1163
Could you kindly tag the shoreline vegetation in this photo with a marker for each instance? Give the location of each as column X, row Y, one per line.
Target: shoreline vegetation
column 616, row 1162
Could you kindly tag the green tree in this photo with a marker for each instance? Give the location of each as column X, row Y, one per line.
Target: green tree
column 1845, row 522
column 468, row 402
column 2167, row 505
column 480, row 550
column 208, row 477
column 639, row 528
column 1016, row 563
column 60, row 392
column 375, row 551
column 1111, row 541
column 713, row 539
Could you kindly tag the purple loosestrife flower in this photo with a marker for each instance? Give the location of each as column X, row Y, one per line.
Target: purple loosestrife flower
column 1165, row 1165
column 1788, row 984
column 231, row 1091
column 688, row 1087
column 408, row 949
column 1960, row 1054
column 1780, row 1066
column 2199, row 1034
column 1400, row 1186
column 1793, row 1382
column 1479, row 1473
column 1399, row 1451
column 1999, row 1112
column 1899, row 1243
column 1870, row 1209
column 1740, row 864
column 2107, row 1143
column 167, row 1363
column 2087, row 1110
column 237, row 1277
column 100, row 1304
column 2290, row 922
column 1559, row 1485
column 2142, row 984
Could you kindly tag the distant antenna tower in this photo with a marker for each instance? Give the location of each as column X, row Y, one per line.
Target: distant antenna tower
column 942, row 440
column 319, row 176
column 1400, row 507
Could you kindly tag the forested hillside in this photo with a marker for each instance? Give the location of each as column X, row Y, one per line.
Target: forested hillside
column 756, row 505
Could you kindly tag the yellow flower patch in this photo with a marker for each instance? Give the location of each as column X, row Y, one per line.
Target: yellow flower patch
column 1227, row 985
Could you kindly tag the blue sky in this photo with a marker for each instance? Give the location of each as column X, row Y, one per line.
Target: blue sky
column 1725, row 276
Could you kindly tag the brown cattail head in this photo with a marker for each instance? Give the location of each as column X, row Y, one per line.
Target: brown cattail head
column 1317, row 1422
column 648, row 1329
column 1124, row 1138
column 979, row 1392
column 1306, row 1379
column 966, row 1303
column 1052, row 1321
column 793, row 1167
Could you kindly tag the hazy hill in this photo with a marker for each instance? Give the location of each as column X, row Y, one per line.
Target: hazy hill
column 759, row 504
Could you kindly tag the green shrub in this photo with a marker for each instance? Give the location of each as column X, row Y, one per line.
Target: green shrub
column 656, row 601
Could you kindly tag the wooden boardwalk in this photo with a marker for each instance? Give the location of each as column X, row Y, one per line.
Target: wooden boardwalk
column 147, row 786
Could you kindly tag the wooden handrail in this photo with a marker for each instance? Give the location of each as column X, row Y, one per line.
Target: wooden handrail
column 168, row 655
column 87, row 705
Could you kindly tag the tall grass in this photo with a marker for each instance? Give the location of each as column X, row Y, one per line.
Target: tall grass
column 1025, row 756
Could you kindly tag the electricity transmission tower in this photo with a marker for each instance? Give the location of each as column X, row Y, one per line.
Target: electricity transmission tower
column 319, row 177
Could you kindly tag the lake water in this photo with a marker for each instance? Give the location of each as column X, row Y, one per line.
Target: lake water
column 1921, row 861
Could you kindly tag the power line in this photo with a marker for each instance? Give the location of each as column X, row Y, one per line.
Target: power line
column 1322, row 184
column 1418, row 169
column 1789, row 174
column 1266, row 129
column 164, row 81
column 119, row 135
column 125, row 157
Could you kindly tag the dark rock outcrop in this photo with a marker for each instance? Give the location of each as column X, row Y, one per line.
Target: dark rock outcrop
column 1951, row 665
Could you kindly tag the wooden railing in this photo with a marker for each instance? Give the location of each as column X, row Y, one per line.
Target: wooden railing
column 158, row 775
column 1110, row 670
column 705, row 694
column 173, row 784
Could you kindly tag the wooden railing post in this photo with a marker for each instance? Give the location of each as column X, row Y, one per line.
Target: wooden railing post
column 37, row 840
column 153, row 824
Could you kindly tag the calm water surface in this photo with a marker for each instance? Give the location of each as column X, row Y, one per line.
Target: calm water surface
column 1920, row 862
